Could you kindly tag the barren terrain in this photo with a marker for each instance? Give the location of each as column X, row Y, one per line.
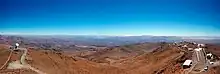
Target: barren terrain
column 130, row 59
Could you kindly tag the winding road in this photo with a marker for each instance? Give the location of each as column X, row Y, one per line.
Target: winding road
column 26, row 65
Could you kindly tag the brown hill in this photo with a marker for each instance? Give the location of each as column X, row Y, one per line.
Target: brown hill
column 165, row 59
column 4, row 53
column 120, row 52
column 160, row 61
column 52, row 62
column 57, row 63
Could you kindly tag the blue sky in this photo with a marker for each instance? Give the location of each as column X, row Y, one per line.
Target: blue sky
column 111, row 17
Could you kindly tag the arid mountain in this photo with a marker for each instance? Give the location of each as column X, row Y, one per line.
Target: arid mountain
column 43, row 41
column 164, row 59
column 52, row 62
column 67, row 42
column 140, row 58
column 120, row 52
column 73, row 43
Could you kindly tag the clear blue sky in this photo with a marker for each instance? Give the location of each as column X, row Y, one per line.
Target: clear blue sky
column 111, row 17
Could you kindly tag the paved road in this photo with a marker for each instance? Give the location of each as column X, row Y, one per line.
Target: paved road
column 200, row 62
column 194, row 59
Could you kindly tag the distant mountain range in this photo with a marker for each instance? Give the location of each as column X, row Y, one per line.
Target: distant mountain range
column 70, row 42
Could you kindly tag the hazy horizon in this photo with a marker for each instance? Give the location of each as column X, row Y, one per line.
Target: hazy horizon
column 110, row 17
column 98, row 35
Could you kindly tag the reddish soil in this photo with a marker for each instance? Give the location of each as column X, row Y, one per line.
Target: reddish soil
column 121, row 52
column 166, row 60
column 4, row 53
column 161, row 61
column 57, row 63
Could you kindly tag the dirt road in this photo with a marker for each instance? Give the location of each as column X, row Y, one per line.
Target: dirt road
column 26, row 65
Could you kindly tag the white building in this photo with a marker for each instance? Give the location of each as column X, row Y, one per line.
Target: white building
column 209, row 56
column 190, row 49
column 194, row 43
column 201, row 45
column 198, row 49
column 16, row 44
column 185, row 46
column 187, row 64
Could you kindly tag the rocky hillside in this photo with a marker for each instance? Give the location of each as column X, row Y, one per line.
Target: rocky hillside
column 121, row 52
column 165, row 59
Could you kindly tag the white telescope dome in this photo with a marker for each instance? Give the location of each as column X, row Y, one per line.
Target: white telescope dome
column 16, row 44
